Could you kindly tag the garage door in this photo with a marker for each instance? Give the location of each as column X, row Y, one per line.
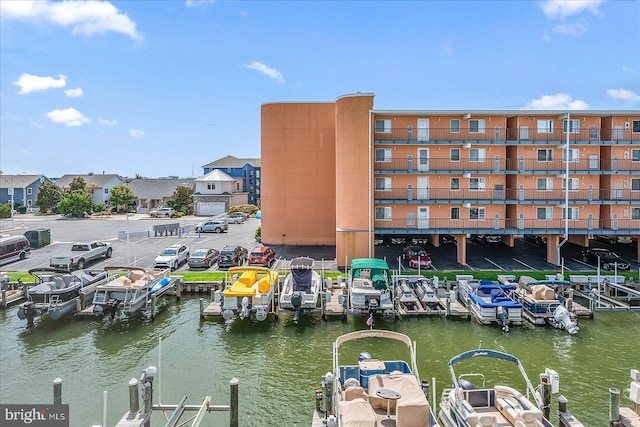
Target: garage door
column 210, row 209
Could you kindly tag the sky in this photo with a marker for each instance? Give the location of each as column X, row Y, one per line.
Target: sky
column 161, row 88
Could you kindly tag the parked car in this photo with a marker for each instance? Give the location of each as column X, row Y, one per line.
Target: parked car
column 162, row 212
column 613, row 239
column 212, row 226
column 415, row 256
column 487, row 238
column 80, row 254
column 447, row 239
column 534, row 238
column 422, row 240
column 203, row 258
column 242, row 215
column 608, row 259
column 231, row 256
column 172, row 256
column 234, row 219
column 262, row 255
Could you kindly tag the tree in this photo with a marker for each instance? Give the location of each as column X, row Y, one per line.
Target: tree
column 49, row 195
column 121, row 195
column 5, row 210
column 183, row 199
column 78, row 184
column 76, row 204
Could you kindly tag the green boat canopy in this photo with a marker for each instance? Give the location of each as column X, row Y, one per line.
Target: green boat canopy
column 379, row 271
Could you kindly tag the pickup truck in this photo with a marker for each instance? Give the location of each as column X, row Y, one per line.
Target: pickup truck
column 80, row 254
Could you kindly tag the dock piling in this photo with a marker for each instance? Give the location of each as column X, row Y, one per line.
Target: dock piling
column 57, row 391
column 201, row 301
column 545, row 395
column 134, row 399
column 4, row 298
column 614, row 405
column 233, row 409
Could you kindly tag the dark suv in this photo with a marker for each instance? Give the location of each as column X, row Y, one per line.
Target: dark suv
column 232, row 256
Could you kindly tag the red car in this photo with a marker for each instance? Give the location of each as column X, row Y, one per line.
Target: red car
column 415, row 255
column 262, row 255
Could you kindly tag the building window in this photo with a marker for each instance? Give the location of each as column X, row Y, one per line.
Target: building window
column 106, row 191
column 477, row 184
column 211, row 186
column 476, row 213
column 574, row 126
column 545, row 155
column 593, row 132
column 455, row 184
column 29, row 203
column 454, row 126
column 454, row 155
column 477, row 155
column 29, row 191
column 383, row 213
column 455, row 213
column 383, row 184
column 635, row 184
column 573, row 213
column 544, row 184
column 476, row 126
column 573, row 184
column 573, row 155
column 545, row 126
column 635, row 213
column 635, row 155
column 383, row 155
column 544, row 213
column 383, row 126
column 257, row 173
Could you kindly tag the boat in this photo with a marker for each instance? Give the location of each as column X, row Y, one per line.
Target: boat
column 543, row 303
column 373, row 392
column 59, row 294
column 470, row 404
column 407, row 296
column 370, row 288
column 427, row 295
column 489, row 303
column 249, row 292
column 301, row 287
column 128, row 289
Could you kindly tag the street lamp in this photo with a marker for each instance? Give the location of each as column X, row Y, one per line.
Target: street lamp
column 128, row 251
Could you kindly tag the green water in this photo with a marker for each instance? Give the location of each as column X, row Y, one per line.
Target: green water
column 279, row 364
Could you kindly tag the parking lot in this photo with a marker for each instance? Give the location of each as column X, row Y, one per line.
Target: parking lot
column 140, row 251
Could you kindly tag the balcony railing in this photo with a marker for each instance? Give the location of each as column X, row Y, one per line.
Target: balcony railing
column 499, row 226
column 500, row 165
column 467, row 195
column 527, row 135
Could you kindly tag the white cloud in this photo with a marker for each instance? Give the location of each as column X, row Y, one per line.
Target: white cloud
column 268, row 71
column 29, row 83
column 555, row 9
column 576, row 29
column 106, row 122
column 73, row 93
column 559, row 101
column 84, row 17
column 623, row 94
column 197, row 3
column 69, row 117
column 136, row 133
column 628, row 69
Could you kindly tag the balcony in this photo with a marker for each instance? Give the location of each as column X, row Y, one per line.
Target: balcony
column 501, row 196
column 593, row 166
column 504, row 226
column 521, row 135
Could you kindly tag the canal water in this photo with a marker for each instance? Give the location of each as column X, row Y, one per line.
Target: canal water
column 279, row 363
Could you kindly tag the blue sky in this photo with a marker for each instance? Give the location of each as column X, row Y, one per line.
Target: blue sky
column 160, row 88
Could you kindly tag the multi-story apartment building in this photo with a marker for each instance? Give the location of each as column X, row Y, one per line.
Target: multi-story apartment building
column 344, row 173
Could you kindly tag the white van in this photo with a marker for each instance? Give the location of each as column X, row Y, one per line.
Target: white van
column 13, row 248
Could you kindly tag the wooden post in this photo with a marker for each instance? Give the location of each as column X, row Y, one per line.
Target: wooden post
column 153, row 306
column 614, row 405
column 134, row 399
column 545, row 395
column 57, row 391
column 179, row 289
column 148, row 401
column 233, row 407
column 4, row 297
column 447, row 311
column 201, row 306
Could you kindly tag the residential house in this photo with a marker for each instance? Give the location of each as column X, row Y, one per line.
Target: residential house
column 246, row 169
column 216, row 192
column 22, row 189
column 100, row 185
column 154, row 193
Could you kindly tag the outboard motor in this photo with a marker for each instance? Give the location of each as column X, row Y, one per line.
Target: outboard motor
column 503, row 318
column 562, row 319
column 244, row 307
column 112, row 308
column 296, row 302
column 466, row 384
column 29, row 312
column 364, row 356
column 373, row 306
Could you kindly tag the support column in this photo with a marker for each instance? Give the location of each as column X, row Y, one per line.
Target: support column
column 509, row 240
column 435, row 240
column 553, row 240
column 461, row 248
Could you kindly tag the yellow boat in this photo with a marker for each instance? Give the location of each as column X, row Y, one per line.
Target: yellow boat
column 250, row 290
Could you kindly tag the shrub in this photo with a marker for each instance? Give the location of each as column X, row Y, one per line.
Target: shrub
column 100, row 207
column 247, row 209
